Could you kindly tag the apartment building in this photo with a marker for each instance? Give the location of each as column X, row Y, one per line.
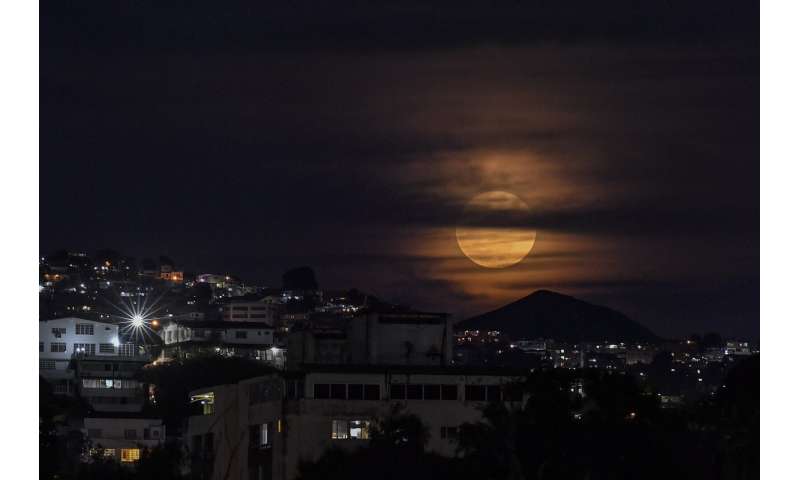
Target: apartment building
column 85, row 357
column 186, row 339
column 122, row 437
column 283, row 419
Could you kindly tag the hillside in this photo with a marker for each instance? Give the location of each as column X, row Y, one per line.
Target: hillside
column 546, row 314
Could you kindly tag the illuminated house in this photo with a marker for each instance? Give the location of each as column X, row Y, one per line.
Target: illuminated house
column 186, row 339
column 86, row 357
column 283, row 419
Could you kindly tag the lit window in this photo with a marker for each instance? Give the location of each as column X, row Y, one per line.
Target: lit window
column 350, row 429
column 109, row 452
column 129, row 454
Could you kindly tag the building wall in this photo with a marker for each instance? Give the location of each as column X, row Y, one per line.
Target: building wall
column 115, row 434
column 176, row 333
column 301, row 428
column 401, row 339
column 108, row 383
column 248, row 312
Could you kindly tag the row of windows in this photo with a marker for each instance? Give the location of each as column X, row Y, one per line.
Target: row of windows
column 400, row 391
column 88, row 348
column 343, row 391
column 109, row 383
column 126, row 454
column 129, row 433
column 84, row 329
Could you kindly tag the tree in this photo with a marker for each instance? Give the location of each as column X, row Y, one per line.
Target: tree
column 300, row 279
column 396, row 451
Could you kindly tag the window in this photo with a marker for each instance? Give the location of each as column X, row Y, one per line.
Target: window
column 339, row 391
column 241, row 334
column 84, row 348
column 130, row 434
column 475, row 393
column 84, row 329
column 414, row 392
column 41, row 347
column 156, row 433
column 397, row 391
column 57, row 332
column 372, row 392
column 322, row 390
column 107, row 348
column 126, row 350
column 449, row 392
column 432, row 392
column 350, row 429
column 209, row 443
column 355, row 392
column 512, row 393
column 129, row 454
column 58, row 347
column 109, row 452
column 147, row 434
column 260, row 435
column 493, row 393
column 47, row 364
column 359, row 429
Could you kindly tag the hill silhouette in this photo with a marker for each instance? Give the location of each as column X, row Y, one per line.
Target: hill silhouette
column 547, row 314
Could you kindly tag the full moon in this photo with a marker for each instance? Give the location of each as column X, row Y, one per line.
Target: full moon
column 492, row 231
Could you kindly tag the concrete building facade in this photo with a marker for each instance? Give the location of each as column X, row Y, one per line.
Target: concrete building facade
column 263, row 427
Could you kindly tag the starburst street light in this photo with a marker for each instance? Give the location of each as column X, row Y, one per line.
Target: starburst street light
column 136, row 317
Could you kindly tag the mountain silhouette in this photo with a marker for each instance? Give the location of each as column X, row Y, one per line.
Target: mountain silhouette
column 546, row 314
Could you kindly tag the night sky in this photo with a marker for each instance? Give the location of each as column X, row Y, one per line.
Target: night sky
column 250, row 139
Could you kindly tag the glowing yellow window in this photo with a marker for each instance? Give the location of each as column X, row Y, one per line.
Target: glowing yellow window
column 129, row 454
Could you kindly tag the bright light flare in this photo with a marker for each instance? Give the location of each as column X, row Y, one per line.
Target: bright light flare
column 136, row 315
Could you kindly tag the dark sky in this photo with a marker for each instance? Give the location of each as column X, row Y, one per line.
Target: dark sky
column 252, row 138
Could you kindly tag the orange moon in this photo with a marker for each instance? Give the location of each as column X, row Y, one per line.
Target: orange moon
column 484, row 239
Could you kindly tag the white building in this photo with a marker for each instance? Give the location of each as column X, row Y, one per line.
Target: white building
column 187, row 339
column 62, row 338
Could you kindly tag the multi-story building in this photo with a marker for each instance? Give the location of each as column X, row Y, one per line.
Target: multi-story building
column 376, row 337
column 248, row 311
column 122, row 437
column 85, row 357
column 61, row 339
column 108, row 383
column 186, row 339
column 279, row 420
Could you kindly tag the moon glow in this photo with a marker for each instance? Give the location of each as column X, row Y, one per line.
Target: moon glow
column 492, row 231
